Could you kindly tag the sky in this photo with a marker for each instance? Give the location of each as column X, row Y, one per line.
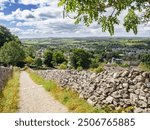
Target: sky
column 43, row 18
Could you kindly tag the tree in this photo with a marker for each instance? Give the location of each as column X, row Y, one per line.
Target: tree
column 145, row 58
column 80, row 58
column 48, row 58
column 30, row 51
column 29, row 60
column 58, row 58
column 106, row 12
column 11, row 53
column 6, row 36
column 38, row 62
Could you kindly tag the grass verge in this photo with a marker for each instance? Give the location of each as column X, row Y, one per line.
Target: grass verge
column 9, row 96
column 67, row 97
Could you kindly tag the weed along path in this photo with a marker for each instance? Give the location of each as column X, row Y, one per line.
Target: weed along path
column 35, row 99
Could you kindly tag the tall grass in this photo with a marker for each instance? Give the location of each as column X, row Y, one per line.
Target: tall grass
column 67, row 97
column 9, row 95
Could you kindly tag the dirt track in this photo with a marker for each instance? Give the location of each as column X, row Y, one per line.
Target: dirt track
column 34, row 99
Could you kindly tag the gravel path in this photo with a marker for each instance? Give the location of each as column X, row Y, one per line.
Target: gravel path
column 35, row 99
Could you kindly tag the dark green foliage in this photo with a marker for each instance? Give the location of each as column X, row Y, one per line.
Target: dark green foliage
column 131, row 21
column 80, row 58
column 20, row 64
column 145, row 58
column 11, row 53
column 106, row 12
column 48, row 55
column 38, row 62
column 6, row 36
column 58, row 58
column 30, row 51
column 94, row 63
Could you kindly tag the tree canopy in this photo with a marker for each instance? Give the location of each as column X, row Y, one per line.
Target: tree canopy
column 6, row 36
column 145, row 58
column 11, row 53
column 106, row 12
column 80, row 58
column 48, row 55
column 58, row 57
column 38, row 62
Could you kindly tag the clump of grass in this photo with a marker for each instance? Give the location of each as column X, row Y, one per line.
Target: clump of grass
column 125, row 65
column 67, row 97
column 145, row 67
column 99, row 69
column 9, row 96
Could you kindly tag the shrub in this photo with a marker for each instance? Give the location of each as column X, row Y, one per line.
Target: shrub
column 99, row 69
column 38, row 62
column 29, row 60
column 62, row 66
column 79, row 68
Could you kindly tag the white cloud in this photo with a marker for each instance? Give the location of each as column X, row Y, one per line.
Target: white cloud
column 41, row 13
column 47, row 20
column 15, row 30
column 6, row 17
column 37, row 2
column 26, row 2
column 21, row 15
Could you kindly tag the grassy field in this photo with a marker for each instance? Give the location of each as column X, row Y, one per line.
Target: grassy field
column 9, row 96
column 67, row 97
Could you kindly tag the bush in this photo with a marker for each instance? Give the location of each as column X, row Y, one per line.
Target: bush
column 62, row 66
column 38, row 62
column 95, row 62
column 99, row 69
column 79, row 68
column 29, row 60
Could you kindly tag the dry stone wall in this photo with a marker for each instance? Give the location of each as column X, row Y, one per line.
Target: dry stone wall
column 5, row 74
column 117, row 89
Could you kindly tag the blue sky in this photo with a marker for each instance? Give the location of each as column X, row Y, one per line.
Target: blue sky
column 42, row 18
